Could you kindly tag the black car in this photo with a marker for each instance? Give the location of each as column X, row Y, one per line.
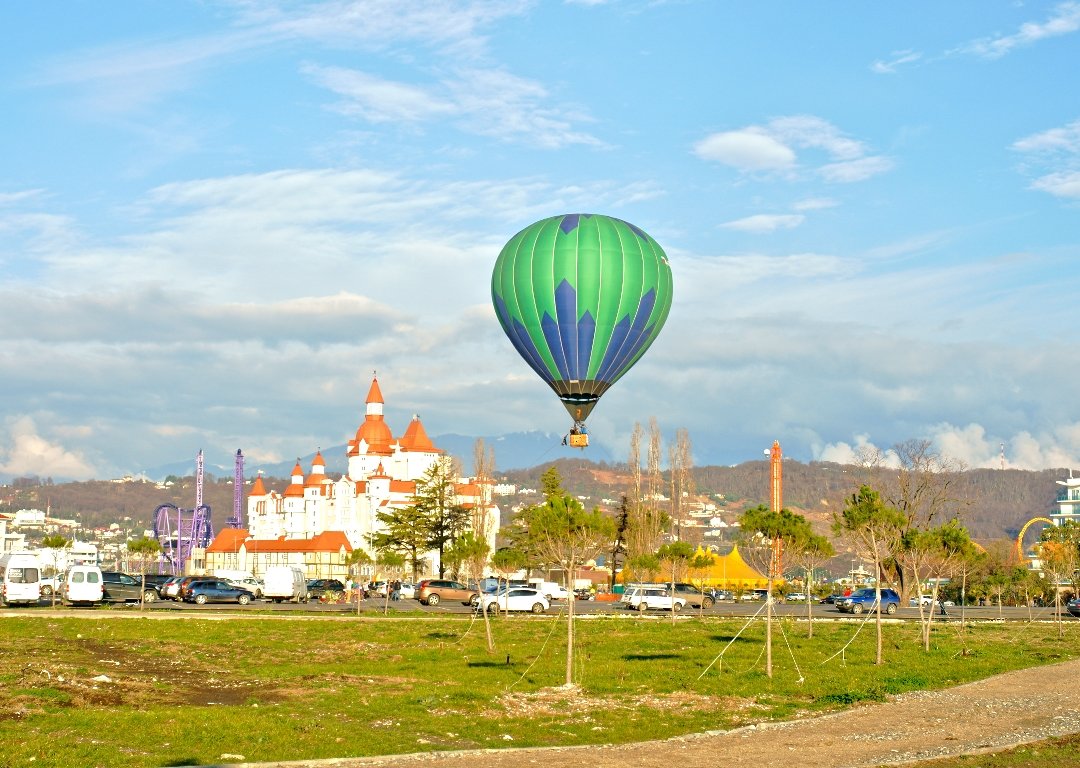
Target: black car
column 120, row 588
column 317, row 587
column 831, row 599
column 154, row 582
column 215, row 591
column 1073, row 606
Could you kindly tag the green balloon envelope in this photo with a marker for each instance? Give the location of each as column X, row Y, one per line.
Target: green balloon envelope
column 581, row 296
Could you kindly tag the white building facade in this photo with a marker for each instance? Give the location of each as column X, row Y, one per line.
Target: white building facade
column 381, row 475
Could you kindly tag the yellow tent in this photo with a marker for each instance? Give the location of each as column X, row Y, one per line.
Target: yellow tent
column 728, row 571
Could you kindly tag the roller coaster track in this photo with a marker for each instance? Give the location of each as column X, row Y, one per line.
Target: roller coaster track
column 1024, row 530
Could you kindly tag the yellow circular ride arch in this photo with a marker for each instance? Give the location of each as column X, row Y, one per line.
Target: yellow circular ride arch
column 1020, row 538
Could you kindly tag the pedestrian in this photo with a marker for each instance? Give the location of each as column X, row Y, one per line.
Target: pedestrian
column 395, row 590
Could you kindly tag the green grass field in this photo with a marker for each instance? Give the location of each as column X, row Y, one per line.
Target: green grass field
column 187, row 691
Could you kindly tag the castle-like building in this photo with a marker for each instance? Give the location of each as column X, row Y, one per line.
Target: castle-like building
column 316, row 520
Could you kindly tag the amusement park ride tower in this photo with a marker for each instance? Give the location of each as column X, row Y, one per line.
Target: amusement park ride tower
column 182, row 531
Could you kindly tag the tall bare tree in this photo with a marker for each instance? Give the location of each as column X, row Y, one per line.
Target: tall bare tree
column 761, row 528
column 564, row 533
column 874, row 529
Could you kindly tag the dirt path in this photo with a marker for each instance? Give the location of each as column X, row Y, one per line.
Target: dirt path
column 986, row 716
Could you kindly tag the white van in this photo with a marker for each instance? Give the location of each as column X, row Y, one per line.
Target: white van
column 550, row 589
column 285, row 582
column 83, row 585
column 20, row 578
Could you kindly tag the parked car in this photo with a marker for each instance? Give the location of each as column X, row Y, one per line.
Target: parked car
column 866, row 600
column 250, row 583
column 185, row 585
column 434, row 591
column 168, row 589
column 1073, row 607
column 722, row 594
column 650, row 598
column 796, row 597
column 154, row 583
column 318, row 587
column 584, row 594
column 516, row 599
column 120, row 588
column 695, row 598
column 215, row 591
column 832, row 599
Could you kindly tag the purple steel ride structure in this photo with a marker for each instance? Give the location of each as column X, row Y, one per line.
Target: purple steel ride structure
column 181, row 531
column 237, row 519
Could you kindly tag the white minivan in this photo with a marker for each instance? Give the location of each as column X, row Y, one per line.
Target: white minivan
column 20, row 578
column 285, row 582
column 83, row 585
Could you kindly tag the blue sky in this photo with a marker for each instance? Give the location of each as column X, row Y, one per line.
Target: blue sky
column 218, row 219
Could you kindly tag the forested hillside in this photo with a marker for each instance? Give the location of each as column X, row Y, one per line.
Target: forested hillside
column 995, row 503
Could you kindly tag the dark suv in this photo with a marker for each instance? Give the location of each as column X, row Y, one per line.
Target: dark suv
column 318, row 587
column 866, row 599
column 433, row 591
column 120, row 588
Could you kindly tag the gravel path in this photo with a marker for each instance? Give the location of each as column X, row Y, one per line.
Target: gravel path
column 985, row 716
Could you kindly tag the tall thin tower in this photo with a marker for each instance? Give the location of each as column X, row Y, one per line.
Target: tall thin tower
column 199, row 480
column 237, row 519
column 776, row 499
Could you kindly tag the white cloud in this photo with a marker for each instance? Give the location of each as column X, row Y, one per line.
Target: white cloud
column 749, row 149
column 1056, row 153
column 1065, row 139
column 376, row 99
column 855, row 170
column 487, row 102
column 772, row 148
column 815, row 204
column 897, row 59
column 764, row 222
column 971, row 445
column 1064, row 20
column 1059, row 184
column 28, row 453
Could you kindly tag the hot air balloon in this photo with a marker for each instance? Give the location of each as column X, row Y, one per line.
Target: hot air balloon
column 581, row 297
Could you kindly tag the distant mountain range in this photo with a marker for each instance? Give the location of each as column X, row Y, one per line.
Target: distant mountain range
column 518, row 450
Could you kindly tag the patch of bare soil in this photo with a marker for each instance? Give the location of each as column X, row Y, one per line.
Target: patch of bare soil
column 985, row 716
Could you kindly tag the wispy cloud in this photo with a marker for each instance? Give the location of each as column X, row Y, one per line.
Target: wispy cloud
column 1064, row 20
column 764, row 222
column 1054, row 155
column 491, row 103
column 773, row 149
column 896, row 59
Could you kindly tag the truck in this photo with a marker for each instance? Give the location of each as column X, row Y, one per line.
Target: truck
column 20, row 578
column 285, row 582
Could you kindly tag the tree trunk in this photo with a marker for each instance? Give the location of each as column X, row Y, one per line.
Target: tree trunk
column 570, row 632
column 768, row 627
